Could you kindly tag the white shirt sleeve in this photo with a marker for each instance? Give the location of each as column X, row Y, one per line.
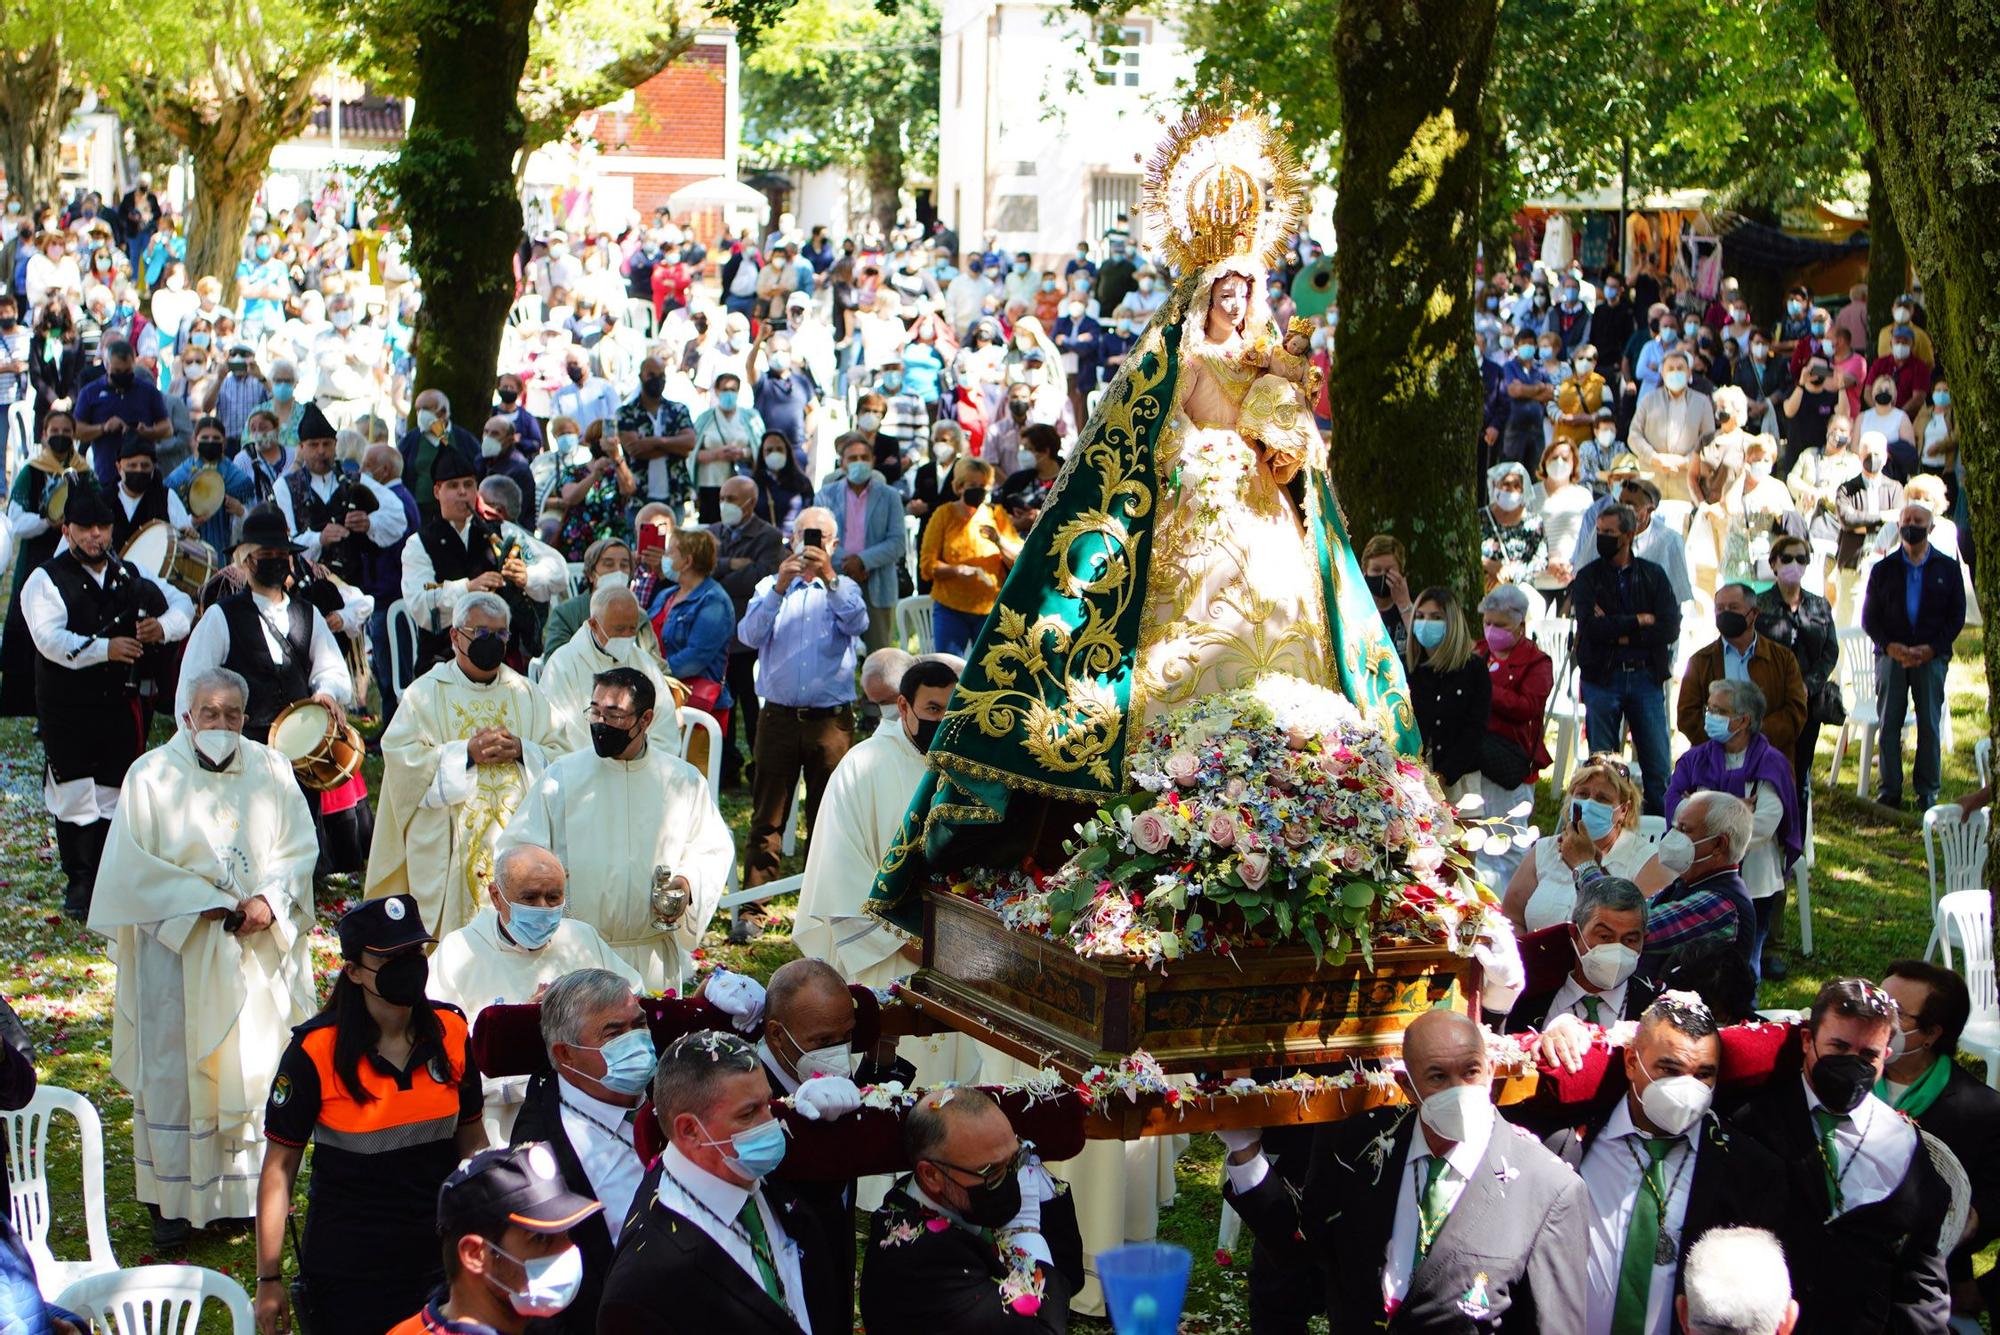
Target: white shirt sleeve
column 178, row 517
column 329, row 670
column 430, row 607
column 455, row 780
column 548, row 573
column 48, row 625
column 388, row 525
column 178, row 619
column 1246, row 1176
column 281, row 496
column 1766, row 815
column 25, row 523
column 206, row 647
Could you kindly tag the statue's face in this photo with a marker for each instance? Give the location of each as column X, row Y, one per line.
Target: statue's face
column 1230, row 300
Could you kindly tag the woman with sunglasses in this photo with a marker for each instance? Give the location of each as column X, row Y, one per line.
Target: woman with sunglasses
column 1791, row 615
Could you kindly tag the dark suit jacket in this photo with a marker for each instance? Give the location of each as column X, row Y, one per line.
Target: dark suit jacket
column 1875, row 1268
column 756, row 541
column 1966, row 1117
column 1736, row 1183
column 1885, row 612
column 1532, row 1012
column 541, row 1119
column 1520, row 1223
column 925, row 1282
column 455, row 436
column 1773, row 669
column 1601, row 641
column 671, row 1278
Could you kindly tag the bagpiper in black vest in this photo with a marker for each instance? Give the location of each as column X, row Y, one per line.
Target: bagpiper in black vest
column 152, row 505
column 88, row 718
column 450, row 560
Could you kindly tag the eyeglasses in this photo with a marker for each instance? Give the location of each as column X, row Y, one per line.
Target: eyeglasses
column 995, row 1174
column 615, row 717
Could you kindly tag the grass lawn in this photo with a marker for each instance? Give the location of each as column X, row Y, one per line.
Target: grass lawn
column 1869, row 894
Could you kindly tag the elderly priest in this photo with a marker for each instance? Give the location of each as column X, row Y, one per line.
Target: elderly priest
column 206, row 891
column 646, row 848
column 607, row 640
column 469, row 736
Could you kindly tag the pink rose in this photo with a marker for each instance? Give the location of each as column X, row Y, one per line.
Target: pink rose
column 1255, row 869
column 1355, row 858
column 1150, row 832
column 1297, row 835
column 1026, row 1305
column 1234, row 790
column 1298, row 739
column 1183, row 768
column 1221, row 830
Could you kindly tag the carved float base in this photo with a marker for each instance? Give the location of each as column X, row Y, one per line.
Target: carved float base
column 1040, row 1001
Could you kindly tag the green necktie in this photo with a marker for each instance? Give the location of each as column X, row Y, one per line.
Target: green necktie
column 1642, row 1240
column 1432, row 1207
column 752, row 1220
column 1829, row 1155
column 1595, row 1006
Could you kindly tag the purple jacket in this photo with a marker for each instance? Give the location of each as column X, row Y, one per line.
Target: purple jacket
column 382, row 567
column 1706, row 767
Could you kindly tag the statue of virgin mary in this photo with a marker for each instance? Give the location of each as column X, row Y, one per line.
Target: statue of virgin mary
column 1191, row 544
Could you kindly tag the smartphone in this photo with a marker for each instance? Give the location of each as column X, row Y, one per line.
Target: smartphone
column 815, row 539
column 652, row 538
column 1576, row 814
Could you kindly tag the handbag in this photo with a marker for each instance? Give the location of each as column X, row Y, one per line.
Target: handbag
column 1829, row 707
column 704, row 693
column 1501, row 762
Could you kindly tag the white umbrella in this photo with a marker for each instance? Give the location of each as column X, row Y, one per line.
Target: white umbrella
column 719, row 192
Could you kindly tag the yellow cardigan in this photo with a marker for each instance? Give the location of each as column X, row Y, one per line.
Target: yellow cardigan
column 953, row 538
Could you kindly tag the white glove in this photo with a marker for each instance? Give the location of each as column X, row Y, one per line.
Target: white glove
column 825, row 1097
column 1245, row 1138
column 1028, row 1219
column 1500, row 956
column 738, row 996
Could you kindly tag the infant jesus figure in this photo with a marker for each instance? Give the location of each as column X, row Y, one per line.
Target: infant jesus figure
column 1277, row 413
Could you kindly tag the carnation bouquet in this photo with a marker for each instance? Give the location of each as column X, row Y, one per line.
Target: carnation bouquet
column 1275, row 813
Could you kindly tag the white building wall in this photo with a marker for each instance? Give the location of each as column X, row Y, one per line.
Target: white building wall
column 1032, row 146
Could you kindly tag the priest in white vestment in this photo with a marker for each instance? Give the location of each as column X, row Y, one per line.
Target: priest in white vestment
column 646, row 849
column 607, row 640
column 206, row 892
column 468, row 738
column 520, row 943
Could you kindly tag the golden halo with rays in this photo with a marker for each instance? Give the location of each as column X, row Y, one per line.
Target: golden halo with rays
column 1223, row 183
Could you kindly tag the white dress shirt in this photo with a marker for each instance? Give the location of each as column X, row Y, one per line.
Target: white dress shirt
column 430, row 603
column 601, row 1135
column 711, row 1205
column 1613, row 1174
column 1461, row 1162
column 1568, row 1000
column 208, row 647
column 1875, row 1146
column 385, row 526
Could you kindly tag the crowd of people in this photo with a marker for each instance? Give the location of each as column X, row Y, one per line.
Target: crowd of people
column 704, row 483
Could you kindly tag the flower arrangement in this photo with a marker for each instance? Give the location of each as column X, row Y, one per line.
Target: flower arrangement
column 1273, row 813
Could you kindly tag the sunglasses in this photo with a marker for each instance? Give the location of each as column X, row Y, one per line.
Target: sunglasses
column 1615, row 764
column 995, row 1174
column 1790, row 559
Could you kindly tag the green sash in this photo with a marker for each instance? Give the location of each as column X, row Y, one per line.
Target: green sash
column 1918, row 1098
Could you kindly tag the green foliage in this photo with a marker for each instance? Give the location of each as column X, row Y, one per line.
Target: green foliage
column 844, row 83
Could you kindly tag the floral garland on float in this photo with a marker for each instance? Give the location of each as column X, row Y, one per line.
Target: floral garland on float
column 1273, row 814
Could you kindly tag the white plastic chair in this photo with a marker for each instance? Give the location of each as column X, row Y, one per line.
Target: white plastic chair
column 1802, row 881
column 157, row 1300
column 693, row 721
column 1968, row 916
column 639, row 315
column 1652, row 828
column 1982, row 759
column 575, row 579
column 27, row 1131
column 1857, row 671
column 1555, row 636
column 1960, row 841
column 402, row 632
column 1674, row 514
column 791, row 841
column 757, row 894
column 913, row 622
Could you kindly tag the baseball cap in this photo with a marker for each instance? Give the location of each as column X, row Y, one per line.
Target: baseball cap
column 382, row 925
column 520, row 1185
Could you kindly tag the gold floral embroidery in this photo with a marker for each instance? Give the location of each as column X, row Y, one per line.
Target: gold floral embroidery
column 496, row 793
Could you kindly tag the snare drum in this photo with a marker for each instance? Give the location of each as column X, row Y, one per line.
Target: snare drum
column 324, row 753
column 183, row 562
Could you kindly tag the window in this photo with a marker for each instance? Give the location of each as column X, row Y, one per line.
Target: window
column 1118, row 57
column 1110, row 196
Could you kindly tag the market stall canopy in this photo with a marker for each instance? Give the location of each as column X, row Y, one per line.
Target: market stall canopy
column 1761, row 246
column 719, row 192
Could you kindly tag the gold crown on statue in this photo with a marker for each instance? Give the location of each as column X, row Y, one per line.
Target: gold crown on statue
column 1301, row 325
column 1222, row 184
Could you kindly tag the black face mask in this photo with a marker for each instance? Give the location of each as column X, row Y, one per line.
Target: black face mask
column 62, row 446
column 507, row 396
column 990, row 1207
column 1914, row 534
column 8, row 322
column 609, row 742
column 1608, row 546
column 270, row 571
column 1842, row 1081
column 974, row 497
column 1731, row 624
column 120, row 379
column 653, row 386
column 1017, row 408
column 401, row 982
column 1378, row 585
column 486, row 650
column 138, row 479
column 926, row 730
column 576, row 375
column 210, row 450
column 1884, row 397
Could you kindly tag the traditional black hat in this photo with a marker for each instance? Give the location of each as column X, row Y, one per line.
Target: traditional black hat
column 265, row 527
column 449, row 466
column 314, row 426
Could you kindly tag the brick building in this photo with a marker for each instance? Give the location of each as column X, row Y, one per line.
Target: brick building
column 678, row 127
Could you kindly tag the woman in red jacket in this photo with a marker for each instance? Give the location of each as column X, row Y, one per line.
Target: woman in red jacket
column 1522, row 677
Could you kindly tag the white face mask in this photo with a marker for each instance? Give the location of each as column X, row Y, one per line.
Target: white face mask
column 1676, row 1102
column 836, row 1059
column 614, row 579
column 489, row 448
column 1675, row 852
column 1509, row 501
column 732, row 513
column 1900, row 1046
column 868, row 421
column 1760, row 469
column 1608, row 965
column 944, row 451
column 619, row 646
column 1559, row 470
column 216, row 745
column 1459, row 1112
column 776, row 461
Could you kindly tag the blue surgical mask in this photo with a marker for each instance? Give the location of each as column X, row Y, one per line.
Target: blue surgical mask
column 628, row 1060
column 566, row 442
column 1598, row 817
column 1545, row 353
column 1675, row 380
column 531, row 925
column 1717, row 726
column 1430, row 634
column 858, row 471
column 726, row 400
column 754, row 1153
column 281, row 390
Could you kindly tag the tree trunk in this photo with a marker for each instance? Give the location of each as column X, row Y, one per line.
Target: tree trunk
column 1888, row 257
column 885, row 180
column 36, row 101
column 1922, row 71
column 1406, row 387
column 225, row 191
column 455, row 180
